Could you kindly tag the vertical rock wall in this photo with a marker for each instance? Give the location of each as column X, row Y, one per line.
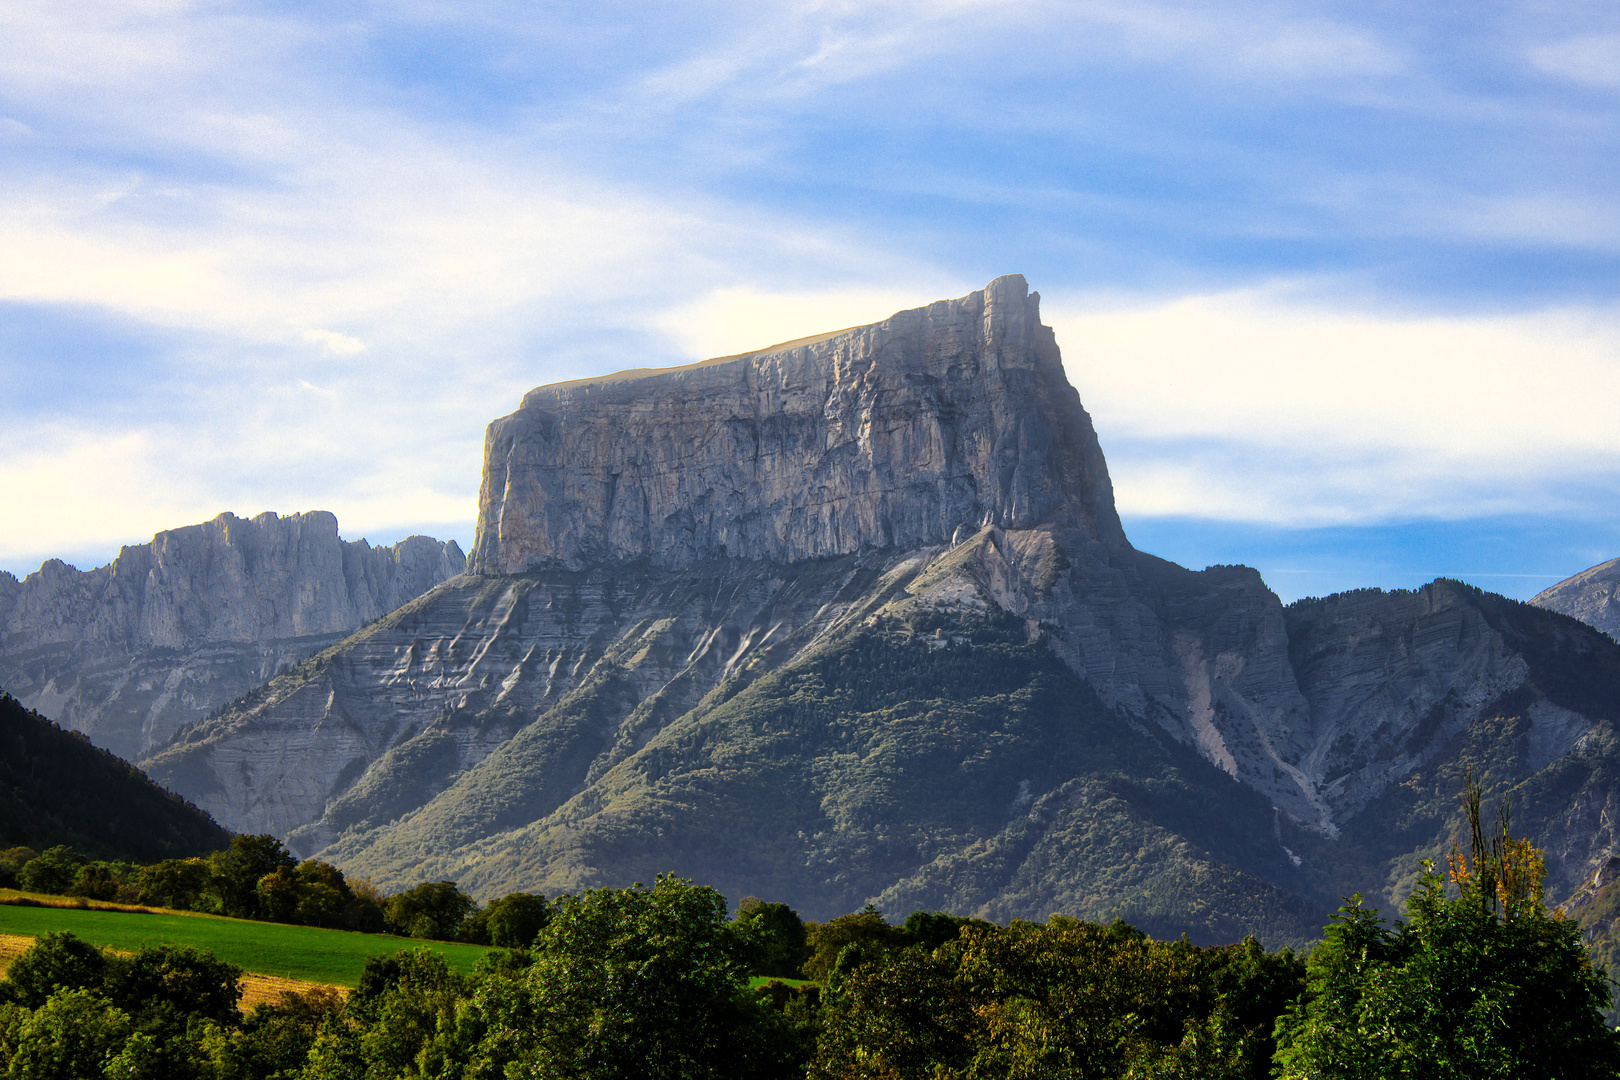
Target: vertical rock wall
column 897, row 435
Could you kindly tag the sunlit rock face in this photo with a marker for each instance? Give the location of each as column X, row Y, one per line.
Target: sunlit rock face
column 171, row 630
column 895, row 435
column 1592, row 596
column 660, row 554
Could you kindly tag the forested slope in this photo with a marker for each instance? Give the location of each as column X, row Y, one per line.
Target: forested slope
column 56, row 788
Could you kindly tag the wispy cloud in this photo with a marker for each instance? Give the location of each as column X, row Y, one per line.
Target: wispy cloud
column 1593, row 60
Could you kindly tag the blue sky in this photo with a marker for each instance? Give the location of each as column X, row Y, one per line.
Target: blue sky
column 1338, row 282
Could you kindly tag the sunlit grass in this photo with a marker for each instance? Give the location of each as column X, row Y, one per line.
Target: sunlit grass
column 304, row 953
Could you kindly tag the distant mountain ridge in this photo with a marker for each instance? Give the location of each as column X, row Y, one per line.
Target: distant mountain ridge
column 171, row 630
column 852, row 619
column 1592, row 596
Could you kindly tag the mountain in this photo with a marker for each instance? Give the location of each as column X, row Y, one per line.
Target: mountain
column 55, row 788
column 171, row 630
column 853, row 618
column 1592, row 596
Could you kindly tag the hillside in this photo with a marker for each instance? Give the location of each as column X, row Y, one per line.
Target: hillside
column 55, row 788
column 969, row 772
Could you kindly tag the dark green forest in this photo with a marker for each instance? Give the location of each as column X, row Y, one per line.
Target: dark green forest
column 57, row 789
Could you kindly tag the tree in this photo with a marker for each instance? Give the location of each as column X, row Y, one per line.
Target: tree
column 648, row 983
column 514, row 920
column 13, row 860
column 367, row 910
column 277, row 895
column 400, row 1001
column 1061, row 999
column 905, row 1016
column 931, row 929
column 866, row 929
column 432, row 910
column 238, row 869
column 52, row 871
column 277, row 1037
column 96, row 881
column 177, row 980
column 1486, row 983
column 775, row 935
column 176, row 883
column 72, row 1035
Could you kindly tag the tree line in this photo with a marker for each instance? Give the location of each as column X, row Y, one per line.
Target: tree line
column 1479, row 980
column 255, row 877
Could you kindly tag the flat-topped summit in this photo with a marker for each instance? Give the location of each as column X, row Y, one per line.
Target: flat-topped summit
column 894, row 435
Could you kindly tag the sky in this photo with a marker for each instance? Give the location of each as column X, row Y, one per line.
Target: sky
column 1339, row 283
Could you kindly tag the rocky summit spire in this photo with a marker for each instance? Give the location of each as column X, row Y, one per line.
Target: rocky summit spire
column 891, row 435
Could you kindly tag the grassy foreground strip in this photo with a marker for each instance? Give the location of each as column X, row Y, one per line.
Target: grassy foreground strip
column 305, row 953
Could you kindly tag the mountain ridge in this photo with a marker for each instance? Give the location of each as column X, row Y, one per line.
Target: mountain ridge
column 602, row 695
column 172, row 629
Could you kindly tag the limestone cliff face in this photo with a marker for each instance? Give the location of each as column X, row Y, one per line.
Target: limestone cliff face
column 172, row 629
column 897, row 435
column 1592, row 596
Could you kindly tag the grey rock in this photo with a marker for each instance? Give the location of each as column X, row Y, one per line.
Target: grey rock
column 1592, row 596
column 887, row 436
column 171, row 630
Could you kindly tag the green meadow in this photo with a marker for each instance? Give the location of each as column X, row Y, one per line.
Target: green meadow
column 334, row 957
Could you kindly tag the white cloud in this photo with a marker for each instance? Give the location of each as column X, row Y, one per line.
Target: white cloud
column 243, row 179
column 743, row 319
column 794, row 49
column 1255, row 406
column 334, row 343
column 88, row 491
column 1592, row 60
column 1250, row 406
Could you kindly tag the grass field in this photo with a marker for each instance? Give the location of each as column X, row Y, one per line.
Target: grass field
column 761, row 980
column 303, row 953
column 276, row 953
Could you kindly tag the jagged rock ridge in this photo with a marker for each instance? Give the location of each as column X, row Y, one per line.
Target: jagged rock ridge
column 171, row 630
column 662, row 556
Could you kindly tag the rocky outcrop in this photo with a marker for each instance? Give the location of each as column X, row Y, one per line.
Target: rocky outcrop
column 675, row 569
column 171, row 630
column 1592, row 596
column 897, row 435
